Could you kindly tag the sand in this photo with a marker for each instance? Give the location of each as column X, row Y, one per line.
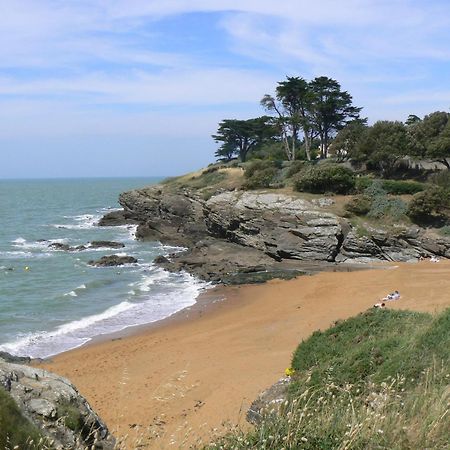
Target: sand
column 174, row 383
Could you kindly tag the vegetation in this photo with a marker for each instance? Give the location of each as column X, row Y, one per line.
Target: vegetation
column 325, row 178
column 261, row 174
column 376, row 381
column 15, row 430
column 430, row 206
column 241, row 136
column 316, row 109
column 314, row 120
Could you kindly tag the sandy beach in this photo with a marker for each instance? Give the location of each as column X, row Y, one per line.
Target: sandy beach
column 168, row 385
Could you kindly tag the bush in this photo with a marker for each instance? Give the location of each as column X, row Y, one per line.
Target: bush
column 261, row 174
column 359, row 206
column 294, row 168
column 325, row 178
column 402, row 187
column 441, row 179
column 431, row 206
column 381, row 205
column 362, row 183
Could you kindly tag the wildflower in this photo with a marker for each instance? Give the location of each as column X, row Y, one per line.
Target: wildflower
column 289, row 372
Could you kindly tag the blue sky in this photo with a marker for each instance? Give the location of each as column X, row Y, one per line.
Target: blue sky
column 136, row 87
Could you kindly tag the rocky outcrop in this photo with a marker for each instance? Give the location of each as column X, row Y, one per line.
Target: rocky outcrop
column 113, row 260
column 269, row 401
column 238, row 232
column 54, row 405
column 175, row 218
column 275, row 224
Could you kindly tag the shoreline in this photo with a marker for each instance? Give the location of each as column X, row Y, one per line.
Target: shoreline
column 206, row 299
column 206, row 365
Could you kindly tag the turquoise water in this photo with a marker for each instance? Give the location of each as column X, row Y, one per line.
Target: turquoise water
column 52, row 300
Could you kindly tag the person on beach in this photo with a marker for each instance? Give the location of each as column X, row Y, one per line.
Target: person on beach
column 393, row 296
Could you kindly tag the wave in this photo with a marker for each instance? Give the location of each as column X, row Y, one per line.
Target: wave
column 83, row 222
column 171, row 293
column 71, row 294
column 23, row 255
column 36, row 245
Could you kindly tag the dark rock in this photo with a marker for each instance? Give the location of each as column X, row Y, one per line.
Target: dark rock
column 113, row 260
column 161, row 260
column 115, row 218
column 14, row 359
column 106, row 244
column 47, row 399
column 59, row 246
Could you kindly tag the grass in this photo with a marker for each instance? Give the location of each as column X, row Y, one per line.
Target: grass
column 15, row 429
column 377, row 381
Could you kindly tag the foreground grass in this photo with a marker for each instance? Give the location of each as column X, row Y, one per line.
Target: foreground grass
column 376, row 381
column 16, row 432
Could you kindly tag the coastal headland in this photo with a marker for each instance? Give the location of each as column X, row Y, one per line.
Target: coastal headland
column 166, row 386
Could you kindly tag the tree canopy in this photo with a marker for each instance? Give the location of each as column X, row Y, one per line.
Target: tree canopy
column 238, row 137
column 309, row 118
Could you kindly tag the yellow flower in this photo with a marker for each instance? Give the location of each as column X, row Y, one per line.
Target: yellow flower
column 289, row 372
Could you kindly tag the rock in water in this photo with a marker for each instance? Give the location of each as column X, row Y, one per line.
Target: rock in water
column 113, row 260
column 106, row 244
column 54, row 405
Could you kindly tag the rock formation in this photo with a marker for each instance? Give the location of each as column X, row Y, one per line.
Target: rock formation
column 54, row 405
column 236, row 232
column 113, row 260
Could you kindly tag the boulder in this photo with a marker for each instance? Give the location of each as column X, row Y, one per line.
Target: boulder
column 54, row 405
column 113, row 260
column 106, row 244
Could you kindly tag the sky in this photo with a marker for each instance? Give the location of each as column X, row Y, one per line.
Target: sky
column 137, row 87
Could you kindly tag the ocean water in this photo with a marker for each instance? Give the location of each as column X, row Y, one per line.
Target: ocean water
column 52, row 300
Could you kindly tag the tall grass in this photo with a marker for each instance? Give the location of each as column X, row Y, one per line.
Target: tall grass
column 376, row 381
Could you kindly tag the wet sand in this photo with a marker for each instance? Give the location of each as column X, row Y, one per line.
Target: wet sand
column 168, row 385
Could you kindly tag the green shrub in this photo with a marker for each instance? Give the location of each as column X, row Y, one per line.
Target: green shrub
column 71, row 416
column 441, row 179
column 430, row 206
column 396, row 187
column 381, row 205
column 445, row 231
column 359, row 205
column 294, row 168
column 261, row 174
column 399, row 187
column 325, row 178
column 362, row 183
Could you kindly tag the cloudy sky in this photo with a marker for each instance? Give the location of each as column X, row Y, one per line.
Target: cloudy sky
column 136, row 87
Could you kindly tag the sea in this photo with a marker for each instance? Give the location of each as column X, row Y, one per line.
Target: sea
column 53, row 300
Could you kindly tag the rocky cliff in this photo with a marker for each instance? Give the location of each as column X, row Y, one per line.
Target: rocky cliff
column 54, row 405
column 240, row 232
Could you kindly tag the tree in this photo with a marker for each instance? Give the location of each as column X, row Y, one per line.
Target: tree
column 430, row 138
column 383, row 145
column 239, row 137
column 291, row 106
column 412, row 120
column 226, row 152
column 345, row 144
column 439, row 148
column 331, row 109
